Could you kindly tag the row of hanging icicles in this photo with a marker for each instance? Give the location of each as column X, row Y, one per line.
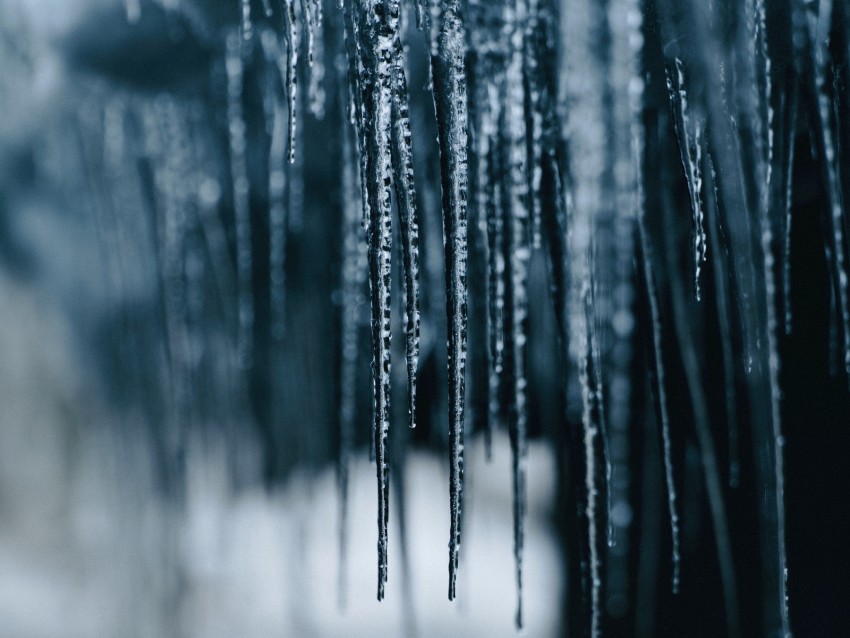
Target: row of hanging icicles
column 541, row 145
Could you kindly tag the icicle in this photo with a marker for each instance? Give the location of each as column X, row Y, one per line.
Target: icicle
column 277, row 221
column 584, row 82
column 316, row 91
column 773, row 362
column 626, row 86
column 295, row 182
column 534, row 114
column 496, row 267
column 723, row 317
column 702, row 425
column 689, row 134
column 241, row 203
column 267, row 8
column 292, row 40
column 517, row 255
column 591, row 431
column 486, row 258
column 484, row 106
column 378, row 104
column 449, row 75
column 791, row 124
column 661, row 397
column 276, row 127
column 247, row 25
column 818, row 32
column 402, row 159
column 353, row 275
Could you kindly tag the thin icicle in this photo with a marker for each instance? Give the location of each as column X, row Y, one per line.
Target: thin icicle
column 818, row 31
column 267, row 8
column 277, row 222
column 485, row 406
column 449, row 74
column 689, row 133
column 773, row 361
column 353, row 275
column 591, row 431
column 276, row 127
column 724, row 318
column 791, row 123
column 496, row 267
column 702, row 425
column 487, row 77
column 517, row 255
column 402, row 158
column 660, row 386
column 626, row 86
column 241, row 203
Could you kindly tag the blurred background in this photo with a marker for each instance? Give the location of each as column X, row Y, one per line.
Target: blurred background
column 185, row 413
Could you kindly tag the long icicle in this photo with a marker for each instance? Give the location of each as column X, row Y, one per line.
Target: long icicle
column 402, row 158
column 449, row 75
column 517, row 257
column 277, row 192
column 661, row 394
column 723, row 314
column 241, row 203
column 702, row 425
column 377, row 119
column 587, row 379
column 773, row 361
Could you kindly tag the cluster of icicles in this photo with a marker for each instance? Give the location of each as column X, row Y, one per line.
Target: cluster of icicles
column 542, row 144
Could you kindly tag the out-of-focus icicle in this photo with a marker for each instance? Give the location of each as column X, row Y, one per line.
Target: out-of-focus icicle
column 449, row 77
column 724, row 318
column 292, row 41
column 661, row 397
column 819, row 21
column 315, row 90
column 583, row 85
column 277, row 190
column 496, row 266
column 626, row 87
column 702, row 424
column 788, row 170
column 487, row 78
column 267, row 8
column 247, row 23
column 689, row 133
column 517, row 255
column 353, row 279
column 295, row 179
column 765, row 117
column 402, row 158
column 241, row 203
